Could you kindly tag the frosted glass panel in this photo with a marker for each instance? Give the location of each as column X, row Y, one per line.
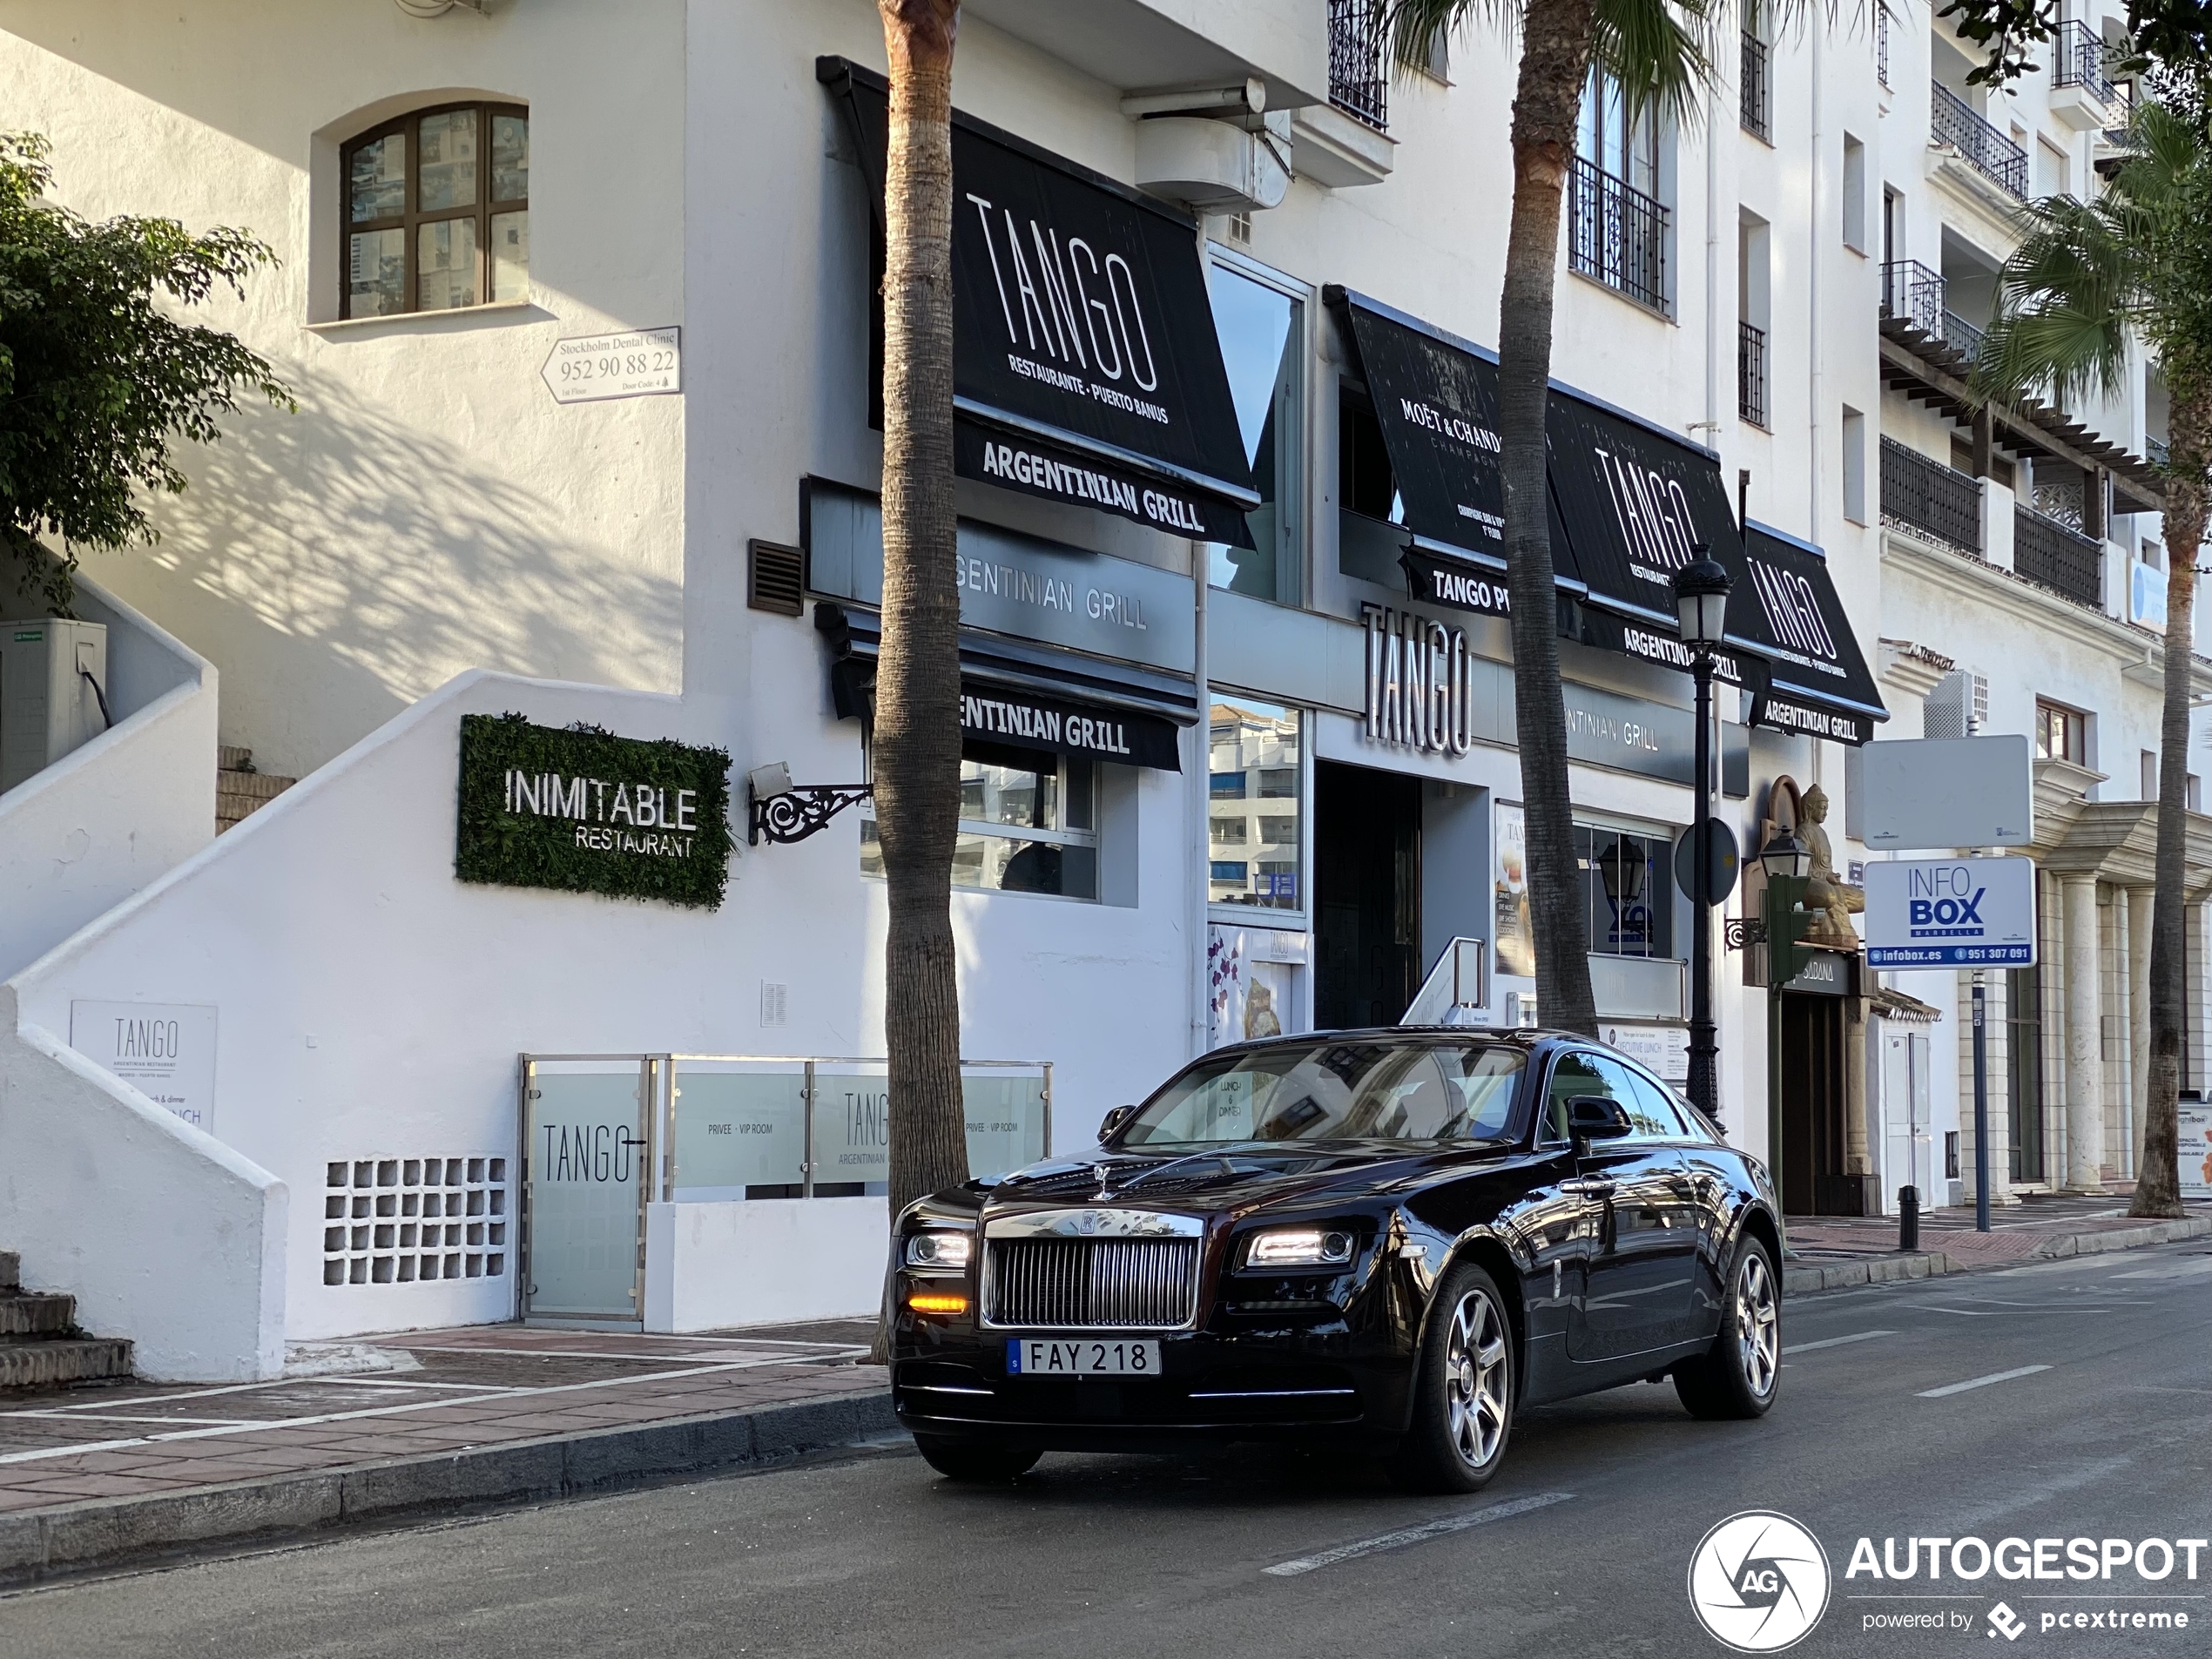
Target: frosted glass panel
column 586, row 1155
column 740, row 1133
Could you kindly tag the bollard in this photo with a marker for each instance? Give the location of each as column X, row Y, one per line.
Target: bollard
column 1908, row 1217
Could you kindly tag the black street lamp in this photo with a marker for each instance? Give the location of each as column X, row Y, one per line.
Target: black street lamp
column 1701, row 606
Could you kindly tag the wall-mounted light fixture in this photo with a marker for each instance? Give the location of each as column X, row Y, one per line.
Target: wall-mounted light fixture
column 780, row 811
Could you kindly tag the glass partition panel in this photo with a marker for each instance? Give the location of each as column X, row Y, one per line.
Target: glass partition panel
column 852, row 1130
column 740, row 1129
column 1005, row 1118
column 586, row 1146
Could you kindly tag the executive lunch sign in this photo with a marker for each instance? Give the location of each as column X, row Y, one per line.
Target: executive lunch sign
column 583, row 811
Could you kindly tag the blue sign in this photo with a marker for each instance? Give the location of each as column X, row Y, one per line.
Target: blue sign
column 1951, row 912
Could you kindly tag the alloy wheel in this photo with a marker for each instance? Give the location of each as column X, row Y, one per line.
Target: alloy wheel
column 1476, row 1382
column 1758, row 1325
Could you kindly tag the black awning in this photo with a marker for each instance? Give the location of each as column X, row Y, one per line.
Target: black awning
column 1436, row 400
column 1635, row 499
column 1019, row 460
column 1815, row 678
column 1016, row 698
column 1081, row 321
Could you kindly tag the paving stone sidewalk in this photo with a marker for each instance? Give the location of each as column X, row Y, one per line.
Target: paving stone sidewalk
column 478, row 1412
column 1828, row 1252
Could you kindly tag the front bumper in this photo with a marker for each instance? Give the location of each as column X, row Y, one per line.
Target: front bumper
column 1317, row 1385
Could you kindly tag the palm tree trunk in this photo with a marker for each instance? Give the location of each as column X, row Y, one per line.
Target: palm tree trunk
column 2157, row 1179
column 1554, row 58
column 917, row 699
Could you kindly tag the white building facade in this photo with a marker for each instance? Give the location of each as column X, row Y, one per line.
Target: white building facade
column 578, row 303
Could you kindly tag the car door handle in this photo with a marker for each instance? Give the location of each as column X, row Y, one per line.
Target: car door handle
column 1589, row 1186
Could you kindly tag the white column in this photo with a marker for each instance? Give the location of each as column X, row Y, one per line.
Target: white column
column 2138, row 1021
column 2085, row 1093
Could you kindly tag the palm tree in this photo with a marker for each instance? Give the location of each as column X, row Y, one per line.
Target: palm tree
column 916, row 738
column 1658, row 50
column 2086, row 278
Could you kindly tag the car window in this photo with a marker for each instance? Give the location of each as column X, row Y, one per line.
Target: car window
column 1481, row 1083
column 1576, row 1074
column 1655, row 1114
column 1322, row 1091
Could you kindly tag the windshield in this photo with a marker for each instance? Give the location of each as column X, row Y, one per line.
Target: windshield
column 1335, row 1091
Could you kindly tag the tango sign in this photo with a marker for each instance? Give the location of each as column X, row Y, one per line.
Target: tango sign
column 1951, row 912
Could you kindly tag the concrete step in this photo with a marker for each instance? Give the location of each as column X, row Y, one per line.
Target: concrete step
column 231, row 757
column 29, row 1314
column 42, row 1362
column 240, row 791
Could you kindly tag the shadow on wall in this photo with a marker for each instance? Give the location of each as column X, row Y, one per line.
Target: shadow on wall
column 337, row 564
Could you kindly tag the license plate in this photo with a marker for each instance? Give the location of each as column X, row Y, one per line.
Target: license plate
column 1043, row 1357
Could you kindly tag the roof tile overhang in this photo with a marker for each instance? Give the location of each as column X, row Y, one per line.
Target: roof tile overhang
column 1928, row 370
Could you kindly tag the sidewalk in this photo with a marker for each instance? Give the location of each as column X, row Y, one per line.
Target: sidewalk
column 1828, row 1252
column 444, row 1417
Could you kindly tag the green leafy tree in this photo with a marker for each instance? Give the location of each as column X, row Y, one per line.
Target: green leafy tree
column 1660, row 52
column 97, row 381
column 2087, row 279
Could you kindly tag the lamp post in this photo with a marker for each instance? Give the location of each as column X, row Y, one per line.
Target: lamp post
column 1701, row 606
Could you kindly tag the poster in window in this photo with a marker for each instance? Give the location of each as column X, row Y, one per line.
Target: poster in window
column 1516, row 949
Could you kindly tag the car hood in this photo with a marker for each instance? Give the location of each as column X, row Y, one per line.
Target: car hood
column 1238, row 1177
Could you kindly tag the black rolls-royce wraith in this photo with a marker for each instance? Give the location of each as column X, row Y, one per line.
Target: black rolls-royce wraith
column 1392, row 1238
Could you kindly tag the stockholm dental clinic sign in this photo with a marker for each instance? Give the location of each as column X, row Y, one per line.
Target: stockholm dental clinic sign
column 579, row 810
column 1951, row 912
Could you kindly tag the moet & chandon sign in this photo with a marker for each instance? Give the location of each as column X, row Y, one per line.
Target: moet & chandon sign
column 1419, row 682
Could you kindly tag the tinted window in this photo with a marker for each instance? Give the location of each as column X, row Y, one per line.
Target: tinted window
column 1576, row 1074
column 1334, row 1091
column 1654, row 1112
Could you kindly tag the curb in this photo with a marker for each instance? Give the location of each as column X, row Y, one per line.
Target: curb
column 1810, row 1277
column 103, row 1531
column 2151, row 1232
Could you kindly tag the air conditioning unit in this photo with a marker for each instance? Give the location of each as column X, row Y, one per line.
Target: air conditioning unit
column 53, row 688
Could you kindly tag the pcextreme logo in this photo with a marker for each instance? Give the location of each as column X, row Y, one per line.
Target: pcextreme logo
column 1758, row 1581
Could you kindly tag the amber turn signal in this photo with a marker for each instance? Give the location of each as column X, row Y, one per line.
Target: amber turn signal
column 935, row 1302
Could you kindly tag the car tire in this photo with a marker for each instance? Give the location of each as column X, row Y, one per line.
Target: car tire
column 1463, row 1389
column 972, row 1461
column 1739, row 1376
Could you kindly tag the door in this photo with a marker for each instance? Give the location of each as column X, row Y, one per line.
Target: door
column 1908, row 1150
column 1366, row 879
column 585, row 1126
column 1813, row 1107
column 1642, row 1246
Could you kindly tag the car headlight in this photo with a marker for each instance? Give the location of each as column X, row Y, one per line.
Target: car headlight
column 1299, row 1247
column 940, row 1251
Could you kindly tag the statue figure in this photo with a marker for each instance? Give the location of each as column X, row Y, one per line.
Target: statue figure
column 1831, row 900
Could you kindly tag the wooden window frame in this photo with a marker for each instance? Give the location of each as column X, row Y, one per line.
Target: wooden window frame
column 2072, row 725
column 411, row 217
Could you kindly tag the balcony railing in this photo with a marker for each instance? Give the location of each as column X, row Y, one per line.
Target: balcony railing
column 1987, row 149
column 1754, row 87
column 1913, row 293
column 1617, row 235
column 1926, row 495
column 2077, row 59
column 1751, row 374
column 2051, row 556
column 2156, row 451
column 1882, row 43
column 1958, row 332
column 1359, row 60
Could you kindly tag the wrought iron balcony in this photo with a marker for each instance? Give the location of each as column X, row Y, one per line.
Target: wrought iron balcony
column 1617, row 235
column 1882, row 43
column 1913, row 293
column 2156, row 451
column 1926, row 497
column 1359, row 60
column 1751, row 374
column 2048, row 554
column 1958, row 332
column 1989, row 151
column 1754, row 85
column 2077, row 59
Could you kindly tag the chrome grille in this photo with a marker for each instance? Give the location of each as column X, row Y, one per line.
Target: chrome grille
column 1092, row 1283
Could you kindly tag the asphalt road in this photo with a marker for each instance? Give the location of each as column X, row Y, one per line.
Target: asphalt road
column 1111, row 1556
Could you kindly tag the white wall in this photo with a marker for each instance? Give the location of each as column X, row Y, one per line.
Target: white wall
column 162, row 1235
column 109, row 816
column 709, row 1266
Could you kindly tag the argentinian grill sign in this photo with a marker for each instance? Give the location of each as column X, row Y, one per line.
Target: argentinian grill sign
column 584, row 810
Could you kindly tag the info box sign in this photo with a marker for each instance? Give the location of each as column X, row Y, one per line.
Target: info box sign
column 1951, row 912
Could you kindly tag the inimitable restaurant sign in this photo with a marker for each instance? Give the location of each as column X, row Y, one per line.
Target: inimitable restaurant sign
column 580, row 810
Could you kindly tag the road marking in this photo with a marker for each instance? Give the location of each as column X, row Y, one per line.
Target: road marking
column 2190, row 1267
column 1420, row 1535
column 1837, row 1342
column 1979, row 1382
column 1939, row 1307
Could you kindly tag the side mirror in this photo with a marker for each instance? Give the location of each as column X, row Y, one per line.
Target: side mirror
column 1596, row 1118
column 1114, row 1120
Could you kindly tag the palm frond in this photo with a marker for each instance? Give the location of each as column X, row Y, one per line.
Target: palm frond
column 1418, row 27
column 2066, row 299
column 1662, row 52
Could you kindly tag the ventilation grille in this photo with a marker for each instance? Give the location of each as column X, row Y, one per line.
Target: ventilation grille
column 779, row 578
column 401, row 1221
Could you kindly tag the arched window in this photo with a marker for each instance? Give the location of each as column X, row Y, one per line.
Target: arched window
column 437, row 211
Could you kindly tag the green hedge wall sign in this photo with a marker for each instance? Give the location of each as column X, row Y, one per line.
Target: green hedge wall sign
column 583, row 811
